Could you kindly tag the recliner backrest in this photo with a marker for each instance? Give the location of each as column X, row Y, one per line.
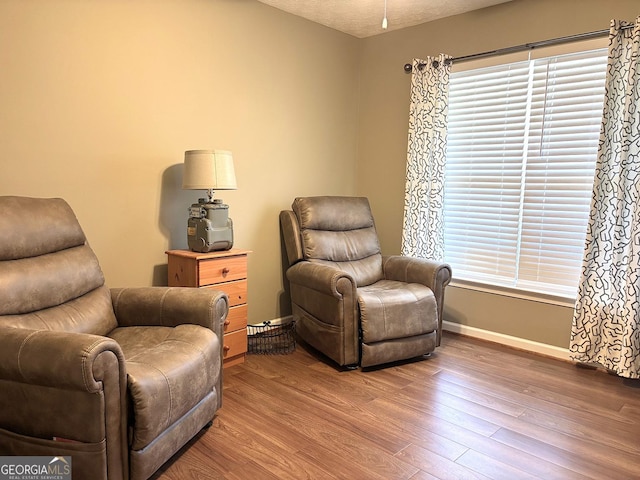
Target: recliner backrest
column 340, row 231
column 49, row 276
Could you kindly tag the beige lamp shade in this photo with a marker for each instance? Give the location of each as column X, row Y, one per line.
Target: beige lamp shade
column 208, row 170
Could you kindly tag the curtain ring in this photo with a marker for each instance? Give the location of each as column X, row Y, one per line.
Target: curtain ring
column 435, row 64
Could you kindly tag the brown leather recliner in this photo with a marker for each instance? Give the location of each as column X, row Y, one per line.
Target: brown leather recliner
column 117, row 379
column 349, row 301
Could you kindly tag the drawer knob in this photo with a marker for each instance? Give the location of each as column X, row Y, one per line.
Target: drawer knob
column 226, row 323
column 225, row 271
column 226, row 348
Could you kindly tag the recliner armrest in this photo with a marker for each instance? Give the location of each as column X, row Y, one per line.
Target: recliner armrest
column 75, row 361
column 431, row 273
column 170, row 306
column 64, row 385
column 322, row 278
column 325, row 303
column 435, row 275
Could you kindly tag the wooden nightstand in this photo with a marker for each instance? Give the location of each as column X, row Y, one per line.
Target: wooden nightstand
column 221, row 270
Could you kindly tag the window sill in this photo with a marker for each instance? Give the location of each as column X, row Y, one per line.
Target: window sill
column 561, row 301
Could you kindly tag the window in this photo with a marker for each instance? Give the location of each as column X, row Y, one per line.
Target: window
column 522, row 146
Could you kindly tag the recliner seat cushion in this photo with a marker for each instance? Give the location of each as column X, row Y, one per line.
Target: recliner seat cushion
column 169, row 369
column 391, row 310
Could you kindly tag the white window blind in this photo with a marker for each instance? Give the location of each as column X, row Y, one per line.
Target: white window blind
column 522, row 145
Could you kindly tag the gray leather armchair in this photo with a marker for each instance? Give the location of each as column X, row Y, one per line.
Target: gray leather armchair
column 349, row 301
column 117, row 379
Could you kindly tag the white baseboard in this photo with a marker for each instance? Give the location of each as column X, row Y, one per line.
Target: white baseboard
column 516, row 342
column 277, row 321
column 508, row 340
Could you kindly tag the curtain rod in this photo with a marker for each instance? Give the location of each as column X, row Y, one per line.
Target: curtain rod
column 527, row 46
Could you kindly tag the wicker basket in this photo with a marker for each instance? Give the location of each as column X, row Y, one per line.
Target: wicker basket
column 268, row 339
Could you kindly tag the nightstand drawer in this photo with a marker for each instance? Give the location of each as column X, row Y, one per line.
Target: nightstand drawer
column 235, row 343
column 236, row 320
column 236, row 291
column 217, row 270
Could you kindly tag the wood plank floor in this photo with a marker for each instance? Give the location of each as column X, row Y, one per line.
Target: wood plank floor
column 474, row 410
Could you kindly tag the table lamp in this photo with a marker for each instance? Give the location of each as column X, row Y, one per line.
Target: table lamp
column 209, row 226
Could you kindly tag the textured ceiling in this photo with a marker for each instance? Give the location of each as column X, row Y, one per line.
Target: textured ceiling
column 363, row 18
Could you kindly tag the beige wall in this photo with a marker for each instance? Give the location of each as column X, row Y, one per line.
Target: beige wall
column 99, row 99
column 382, row 143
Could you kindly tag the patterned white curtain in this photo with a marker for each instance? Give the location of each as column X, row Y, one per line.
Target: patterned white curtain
column 423, row 225
column 606, row 323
